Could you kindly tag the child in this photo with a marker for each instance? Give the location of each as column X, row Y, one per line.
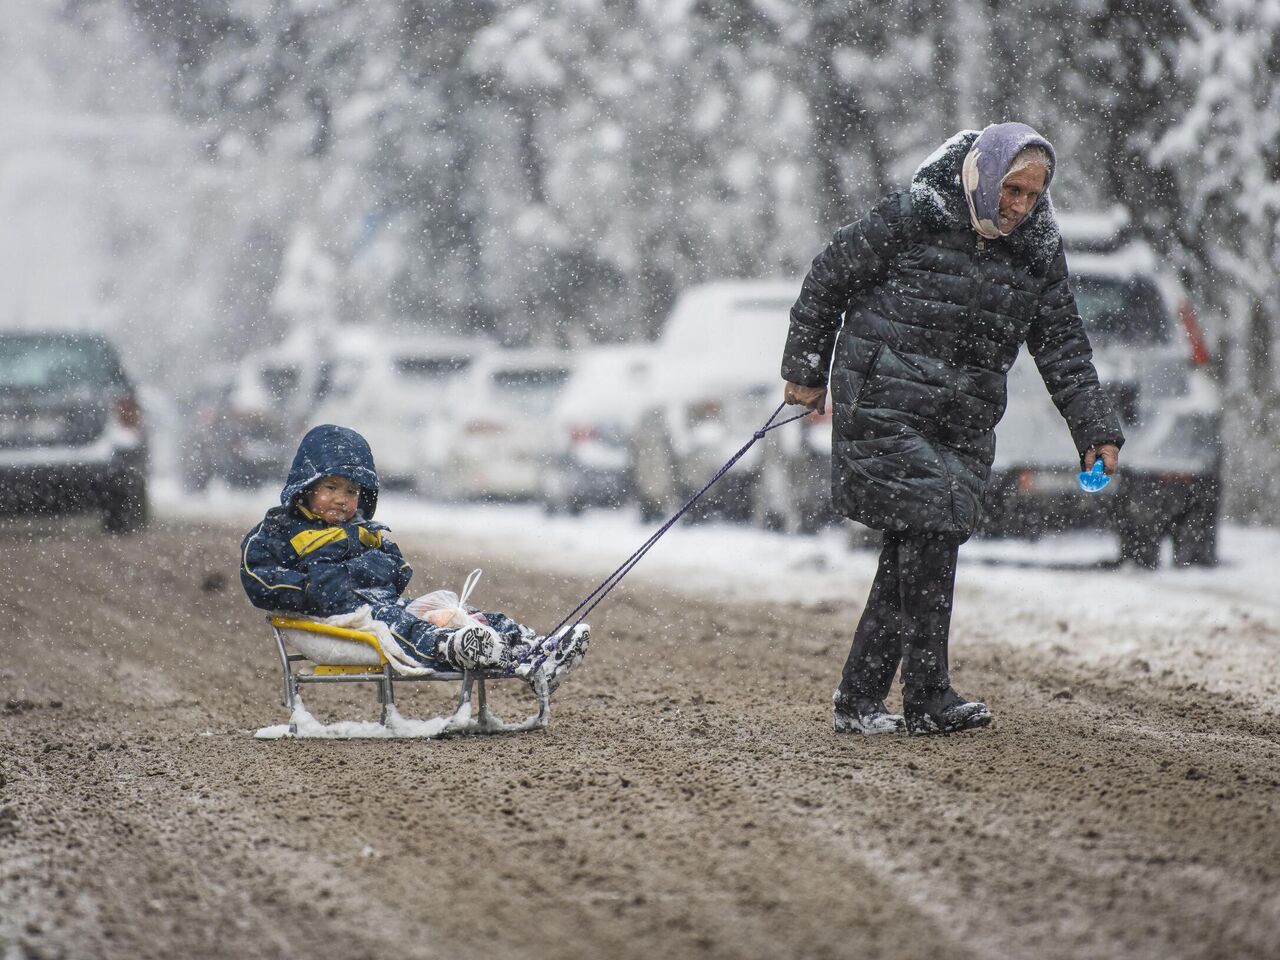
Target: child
column 320, row 553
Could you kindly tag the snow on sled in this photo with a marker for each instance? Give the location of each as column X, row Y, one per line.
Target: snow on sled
column 342, row 655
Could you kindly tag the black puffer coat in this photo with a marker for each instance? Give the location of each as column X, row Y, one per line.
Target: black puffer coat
column 933, row 317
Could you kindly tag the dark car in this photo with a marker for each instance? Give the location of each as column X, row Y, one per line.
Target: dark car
column 71, row 433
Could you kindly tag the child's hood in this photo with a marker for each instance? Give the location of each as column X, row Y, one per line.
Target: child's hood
column 333, row 451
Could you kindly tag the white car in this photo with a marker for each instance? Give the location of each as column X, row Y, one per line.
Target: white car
column 392, row 388
column 1153, row 359
column 591, row 423
column 715, row 380
column 496, row 443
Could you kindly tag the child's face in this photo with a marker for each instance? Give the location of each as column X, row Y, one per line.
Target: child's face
column 334, row 499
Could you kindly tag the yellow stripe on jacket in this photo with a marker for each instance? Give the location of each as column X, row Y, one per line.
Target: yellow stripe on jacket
column 309, row 540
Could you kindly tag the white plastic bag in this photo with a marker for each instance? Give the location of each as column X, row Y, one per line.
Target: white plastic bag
column 445, row 608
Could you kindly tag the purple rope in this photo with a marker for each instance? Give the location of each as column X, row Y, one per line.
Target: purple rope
column 611, row 581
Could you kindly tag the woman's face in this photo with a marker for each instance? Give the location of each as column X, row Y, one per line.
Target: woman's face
column 1019, row 193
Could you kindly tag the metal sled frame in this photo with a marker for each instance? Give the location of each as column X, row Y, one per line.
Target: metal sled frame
column 383, row 674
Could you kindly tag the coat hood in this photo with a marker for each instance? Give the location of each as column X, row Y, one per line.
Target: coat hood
column 332, row 451
column 940, row 198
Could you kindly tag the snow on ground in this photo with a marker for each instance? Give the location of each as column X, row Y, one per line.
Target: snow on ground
column 1219, row 627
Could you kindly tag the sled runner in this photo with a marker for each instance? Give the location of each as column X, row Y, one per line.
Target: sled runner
column 340, row 655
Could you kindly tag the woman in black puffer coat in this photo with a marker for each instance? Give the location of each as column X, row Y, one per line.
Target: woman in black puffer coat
column 924, row 304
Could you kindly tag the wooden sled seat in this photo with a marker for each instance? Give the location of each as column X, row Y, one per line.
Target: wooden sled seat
column 340, row 655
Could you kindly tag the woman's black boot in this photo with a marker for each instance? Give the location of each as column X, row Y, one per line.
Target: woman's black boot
column 864, row 715
column 932, row 710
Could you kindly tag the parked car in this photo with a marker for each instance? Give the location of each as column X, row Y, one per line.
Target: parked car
column 71, row 429
column 270, row 397
column 242, row 419
column 715, row 379
column 591, row 422
column 205, row 435
column 392, row 388
column 495, row 442
column 1152, row 357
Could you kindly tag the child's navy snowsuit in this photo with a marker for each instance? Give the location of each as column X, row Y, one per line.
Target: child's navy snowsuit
column 295, row 562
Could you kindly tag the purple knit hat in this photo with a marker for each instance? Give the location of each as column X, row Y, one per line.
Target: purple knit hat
column 986, row 166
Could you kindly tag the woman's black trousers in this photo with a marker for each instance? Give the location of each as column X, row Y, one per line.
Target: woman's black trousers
column 907, row 618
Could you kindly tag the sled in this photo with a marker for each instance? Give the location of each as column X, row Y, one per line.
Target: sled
column 339, row 655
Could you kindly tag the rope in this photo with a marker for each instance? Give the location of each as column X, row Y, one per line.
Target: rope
column 611, row 581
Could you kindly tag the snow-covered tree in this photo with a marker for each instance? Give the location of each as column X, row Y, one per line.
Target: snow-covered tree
column 1223, row 153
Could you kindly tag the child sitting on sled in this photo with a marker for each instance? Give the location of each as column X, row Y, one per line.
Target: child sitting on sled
column 320, row 554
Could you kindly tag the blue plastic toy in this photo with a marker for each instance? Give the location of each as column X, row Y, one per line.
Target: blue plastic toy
column 1091, row 481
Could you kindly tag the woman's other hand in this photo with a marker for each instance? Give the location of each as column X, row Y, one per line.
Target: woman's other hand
column 1109, row 453
column 815, row 398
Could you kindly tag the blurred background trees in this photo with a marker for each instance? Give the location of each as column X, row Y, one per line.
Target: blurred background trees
column 554, row 171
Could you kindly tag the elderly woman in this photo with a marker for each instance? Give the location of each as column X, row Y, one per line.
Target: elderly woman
column 924, row 303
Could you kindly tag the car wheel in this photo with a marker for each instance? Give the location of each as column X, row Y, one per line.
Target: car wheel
column 814, row 517
column 772, row 507
column 125, row 509
column 1195, row 532
column 243, row 477
column 554, row 499
column 1142, row 511
column 764, row 518
column 196, row 474
column 734, row 501
column 654, row 472
column 814, row 510
column 1195, row 544
column 1139, row 547
column 650, row 512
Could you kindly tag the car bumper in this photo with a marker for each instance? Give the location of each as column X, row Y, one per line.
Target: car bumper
column 68, row 486
column 489, row 477
column 1042, row 501
column 590, row 486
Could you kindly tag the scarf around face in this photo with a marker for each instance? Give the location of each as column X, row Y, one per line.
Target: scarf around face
column 938, row 204
column 987, row 164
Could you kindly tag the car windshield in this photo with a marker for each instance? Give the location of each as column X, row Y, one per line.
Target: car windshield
column 605, row 383
column 1121, row 310
column 51, row 364
column 532, row 388
column 281, row 382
